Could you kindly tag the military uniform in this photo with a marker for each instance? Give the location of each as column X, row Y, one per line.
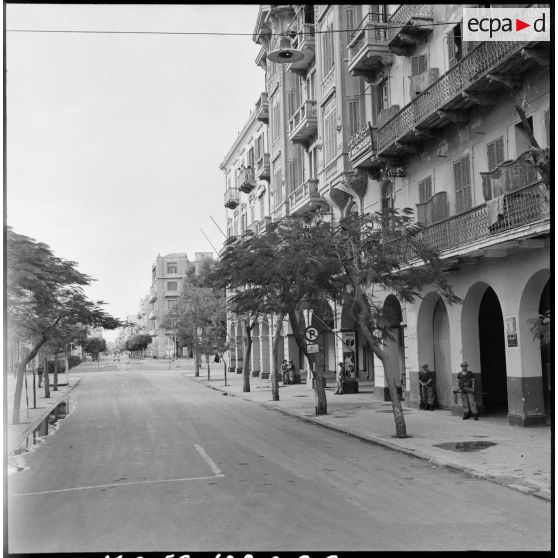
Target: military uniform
column 466, row 386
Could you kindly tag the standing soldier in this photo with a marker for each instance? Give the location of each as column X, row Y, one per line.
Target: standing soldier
column 466, row 386
column 426, row 385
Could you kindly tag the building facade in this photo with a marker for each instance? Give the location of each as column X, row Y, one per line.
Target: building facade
column 389, row 107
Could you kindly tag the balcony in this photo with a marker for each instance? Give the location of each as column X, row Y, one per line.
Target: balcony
column 262, row 225
column 305, row 42
column 368, row 51
column 423, row 81
column 471, row 82
column 153, row 297
column 262, row 109
column 263, row 167
column 434, row 210
column 232, row 198
column 306, row 198
column 362, row 148
column 246, row 181
column 408, row 26
column 303, row 124
column 508, row 177
column 152, row 315
column 523, row 209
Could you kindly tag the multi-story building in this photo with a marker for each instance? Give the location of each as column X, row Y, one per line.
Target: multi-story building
column 167, row 277
column 389, row 107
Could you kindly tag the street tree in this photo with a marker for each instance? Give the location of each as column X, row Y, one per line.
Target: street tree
column 199, row 317
column 138, row 342
column 352, row 262
column 44, row 295
column 94, row 346
column 274, row 274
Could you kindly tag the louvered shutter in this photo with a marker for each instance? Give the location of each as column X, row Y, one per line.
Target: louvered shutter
column 425, row 189
column 418, row 64
column 458, row 182
column 466, row 182
column 350, row 19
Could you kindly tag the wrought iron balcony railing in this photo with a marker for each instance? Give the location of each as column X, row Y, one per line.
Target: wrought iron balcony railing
column 408, row 19
column 523, row 207
column 479, row 62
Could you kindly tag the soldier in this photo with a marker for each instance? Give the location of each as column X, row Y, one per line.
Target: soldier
column 466, row 386
column 426, row 386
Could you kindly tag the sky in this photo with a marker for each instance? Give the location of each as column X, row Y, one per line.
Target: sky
column 114, row 140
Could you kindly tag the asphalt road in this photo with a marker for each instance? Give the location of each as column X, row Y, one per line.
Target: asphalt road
column 152, row 461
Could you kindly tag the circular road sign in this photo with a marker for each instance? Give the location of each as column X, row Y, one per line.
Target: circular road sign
column 311, row 334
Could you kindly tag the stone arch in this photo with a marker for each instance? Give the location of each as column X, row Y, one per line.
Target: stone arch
column 484, row 347
column 535, row 299
column 394, row 344
column 434, row 345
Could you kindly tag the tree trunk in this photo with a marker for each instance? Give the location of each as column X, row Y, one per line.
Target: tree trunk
column 247, row 353
column 319, row 380
column 319, row 389
column 196, row 356
column 46, row 378
column 275, row 353
column 55, row 375
column 20, row 373
column 389, row 368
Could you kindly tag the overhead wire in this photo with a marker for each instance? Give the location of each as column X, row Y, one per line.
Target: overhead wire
column 208, row 33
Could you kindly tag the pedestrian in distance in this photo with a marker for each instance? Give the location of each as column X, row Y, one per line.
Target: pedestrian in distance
column 290, row 372
column 466, row 387
column 40, row 374
column 285, row 372
column 426, row 387
column 340, row 377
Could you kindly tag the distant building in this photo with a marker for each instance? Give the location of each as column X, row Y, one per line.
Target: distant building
column 168, row 274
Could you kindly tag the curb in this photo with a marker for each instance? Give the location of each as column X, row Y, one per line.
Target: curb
column 20, row 438
column 514, row 483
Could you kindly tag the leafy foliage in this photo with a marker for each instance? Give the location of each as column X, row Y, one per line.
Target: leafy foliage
column 137, row 342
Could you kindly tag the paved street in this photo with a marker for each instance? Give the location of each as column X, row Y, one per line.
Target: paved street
column 153, row 461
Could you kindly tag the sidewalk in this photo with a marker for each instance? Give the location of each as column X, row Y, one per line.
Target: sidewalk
column 519, row 458
column 30, row 418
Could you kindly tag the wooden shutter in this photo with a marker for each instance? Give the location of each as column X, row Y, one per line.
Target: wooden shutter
column 495, row 153
column 425, row 189
column 463, row 193
column 354, row 120
column 350, row 22
column 418, row 64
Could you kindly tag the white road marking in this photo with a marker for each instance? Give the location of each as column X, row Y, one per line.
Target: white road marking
column 115, row 484
column 209, row 461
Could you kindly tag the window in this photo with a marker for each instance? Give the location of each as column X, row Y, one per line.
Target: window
column 252, row 213
column 310, row 80
column 419, row 64
column 330, row 130
column 495, row 153
column 387, row 201
column 425, row 189
column 455, row 45
column 262, row 206
column 354, row 116
column 243, row 223
column 327, row 50
column 383, row 95
column 172, row 267
column 250, row 160
column 172, row 303
column 275, row 120
column 172, row 285
column 277, row 186
column 462, row 181
column 259, row 147
column 349, row 22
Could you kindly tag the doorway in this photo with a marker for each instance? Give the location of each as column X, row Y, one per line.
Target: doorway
column 492, row 354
